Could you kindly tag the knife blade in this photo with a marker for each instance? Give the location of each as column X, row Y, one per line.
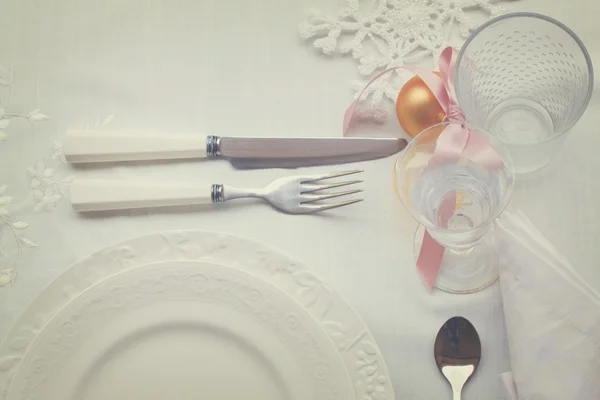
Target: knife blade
column 93, row 146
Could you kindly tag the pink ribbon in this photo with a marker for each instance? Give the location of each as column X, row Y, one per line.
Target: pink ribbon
column 451, row 144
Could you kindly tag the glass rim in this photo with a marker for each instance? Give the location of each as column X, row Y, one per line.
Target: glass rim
column 553, row 21
column 506, row 158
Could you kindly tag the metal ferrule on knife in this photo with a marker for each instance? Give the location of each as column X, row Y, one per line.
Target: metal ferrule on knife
column 213, row 146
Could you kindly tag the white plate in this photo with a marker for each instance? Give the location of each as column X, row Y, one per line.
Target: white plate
column 182, row 330
column 352, row 338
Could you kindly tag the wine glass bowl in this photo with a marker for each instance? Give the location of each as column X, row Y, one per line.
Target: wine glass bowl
column 456, row 201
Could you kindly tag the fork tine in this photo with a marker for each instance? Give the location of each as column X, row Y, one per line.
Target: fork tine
column 316, row 178
column 323, row 207
column 311, row 188
column 311, row 198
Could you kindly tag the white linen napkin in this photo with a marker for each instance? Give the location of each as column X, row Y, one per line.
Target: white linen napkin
column 552, row 318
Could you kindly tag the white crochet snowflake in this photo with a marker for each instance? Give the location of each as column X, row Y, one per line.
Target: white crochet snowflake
column 382, row 34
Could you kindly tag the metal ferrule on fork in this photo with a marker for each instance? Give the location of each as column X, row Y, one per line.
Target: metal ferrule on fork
column 217, row 193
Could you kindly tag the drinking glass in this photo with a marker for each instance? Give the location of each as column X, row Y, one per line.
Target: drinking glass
column 526, row 79
column 478, row 194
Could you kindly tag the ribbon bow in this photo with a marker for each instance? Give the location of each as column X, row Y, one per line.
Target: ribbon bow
column 453, row 141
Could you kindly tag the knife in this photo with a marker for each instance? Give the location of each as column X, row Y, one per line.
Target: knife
column 94, row 146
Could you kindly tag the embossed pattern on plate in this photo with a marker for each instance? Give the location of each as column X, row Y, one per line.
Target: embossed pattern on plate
column 143, row 332
column 352, row 338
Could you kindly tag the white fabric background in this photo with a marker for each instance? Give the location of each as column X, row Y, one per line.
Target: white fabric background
column 239, row 68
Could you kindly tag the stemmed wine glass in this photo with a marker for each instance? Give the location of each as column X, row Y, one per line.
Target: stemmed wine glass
column 456, row 201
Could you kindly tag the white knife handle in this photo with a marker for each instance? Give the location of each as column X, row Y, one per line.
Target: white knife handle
column 99, row 195
column 90, row 146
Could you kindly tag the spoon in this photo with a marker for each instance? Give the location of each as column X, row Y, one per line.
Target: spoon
column 457, row 352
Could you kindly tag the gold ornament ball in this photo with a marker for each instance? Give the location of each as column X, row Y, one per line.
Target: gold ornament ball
column 417, row 108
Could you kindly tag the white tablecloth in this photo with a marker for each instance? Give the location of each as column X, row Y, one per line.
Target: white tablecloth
column 239, row 68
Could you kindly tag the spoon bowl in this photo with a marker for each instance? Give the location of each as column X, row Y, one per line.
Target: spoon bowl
column 457, row 352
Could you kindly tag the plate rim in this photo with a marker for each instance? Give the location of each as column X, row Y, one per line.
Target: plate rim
column 162, row 268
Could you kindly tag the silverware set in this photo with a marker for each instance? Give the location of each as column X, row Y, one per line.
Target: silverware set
column 301, row 194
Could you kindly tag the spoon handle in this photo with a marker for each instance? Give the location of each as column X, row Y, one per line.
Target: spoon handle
column 456, row 393
column 457, row 375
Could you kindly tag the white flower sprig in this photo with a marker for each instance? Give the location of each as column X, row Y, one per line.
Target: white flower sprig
column 16, row 229
column 6, row 116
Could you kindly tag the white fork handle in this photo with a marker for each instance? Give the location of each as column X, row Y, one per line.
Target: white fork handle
column 99, row 195
column 110, row 146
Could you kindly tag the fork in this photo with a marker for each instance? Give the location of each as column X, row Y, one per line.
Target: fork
column 301, row 194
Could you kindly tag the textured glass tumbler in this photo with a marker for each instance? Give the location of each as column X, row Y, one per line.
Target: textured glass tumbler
column 456, row 201
column 526, row 79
